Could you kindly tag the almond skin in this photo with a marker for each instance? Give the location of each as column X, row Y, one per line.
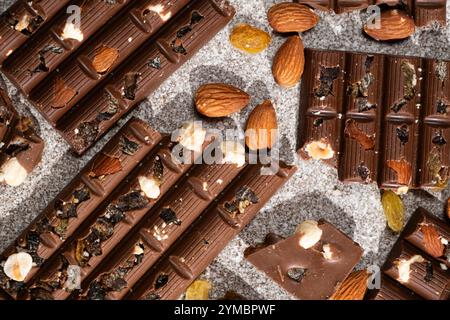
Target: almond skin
column 289, row 62
column 105, row 165
column 353, row 288
column 394, row 25
column 104, row 58
column 291, row 17
column 218, row 100
column 432, row 241
column 63, row 94
column 261, row 122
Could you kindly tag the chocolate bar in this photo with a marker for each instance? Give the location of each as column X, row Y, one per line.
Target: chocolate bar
column 391, row 290
column 421, row 257
column 76, row 202
column 311, row 264
column 369, row 115
column 99, row 56
column 8, row 115
column 22, row 20
column 140, row 75
column 200, row 245
column 423, row 11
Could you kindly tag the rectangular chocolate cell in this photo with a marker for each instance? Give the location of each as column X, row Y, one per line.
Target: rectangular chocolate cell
column 99, row 56
column 391, row 290
column 22, row 20
column 418, row 272
column 80, row 198
column 8, row 115
column 41, row 55
column 164, row 226
column 308, row 274
column 142, row 73
column 426, row 11
column 201, row 244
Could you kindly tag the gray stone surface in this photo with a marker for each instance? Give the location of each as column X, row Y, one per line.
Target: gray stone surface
column 313, row 193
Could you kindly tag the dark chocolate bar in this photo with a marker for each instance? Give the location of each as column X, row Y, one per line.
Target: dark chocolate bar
column 311, row 264
column 200, row 245
column 391, row 290
column 369, row 115
column 420, row 259
column 423, row 11
column 22, row 20
column 46, row 50
column 77, row 201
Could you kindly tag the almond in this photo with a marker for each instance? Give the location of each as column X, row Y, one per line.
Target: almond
column 63, row 94
column 354, row 132
column 104, row 58
column 105, row 165
column 354, row 287
column 289, row 62
column 217, row 100
column 394, row 25
column 261, row 127
column 432, row 241
column 291, row 17
column 448, row 208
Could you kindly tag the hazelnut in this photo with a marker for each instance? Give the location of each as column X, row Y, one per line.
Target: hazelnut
column 150, row 187
column 310, row 233
column 23, row 23
column 12, row 173
column 233, row 152
column 192, row 136
column 18, row 265
column 404, row 267
column 319, row 150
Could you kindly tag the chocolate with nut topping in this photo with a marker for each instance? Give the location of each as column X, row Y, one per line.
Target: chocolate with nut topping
column 391, row 290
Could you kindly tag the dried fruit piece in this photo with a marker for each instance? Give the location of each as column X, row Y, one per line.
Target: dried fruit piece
column 394, row 25
column 403, row 169
column 354, row 287
column 326, row 78
column 291, row 17
column 403, row 134
column 245, row 197
column 319, row 150
column 105, row 165
column 62, row 94
column 438, row 171
column 394, row 210
column 261, row 131
column 198, row 290
column 353, row 132
column 104, row 58
column 217, row 100
column 289, row 62
column 310, row 233
column 432, row 241
column 18, row 265
column 249, row 39
column 131, row 85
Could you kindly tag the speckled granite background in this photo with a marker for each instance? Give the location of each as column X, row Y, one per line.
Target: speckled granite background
column 313, row 193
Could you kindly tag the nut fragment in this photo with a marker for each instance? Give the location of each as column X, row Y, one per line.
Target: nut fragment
column 394, row 25
column 18, row 265
column 63, row 94
column 289, row 62
column 220, row 100
column 70, row 31
column 393, row 210
column 249, row 39
column 404, row 267
column 192, row 136
column 319, row 150
column 291, row 17
column 327, row 252
column 432, row 241
column 150, row 187
column 105, row 165
column 354, row 287
column 104, row 58
column 354, row 132
column 310, row 233
column 233, row 152
column 261, row 131
column 403, row 169
column 13, row 173
column 198, row 290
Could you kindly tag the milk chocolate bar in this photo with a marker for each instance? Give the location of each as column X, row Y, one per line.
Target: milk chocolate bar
column 423, row 11
column 75, row 203
column 8, row 115
column 22, row 20
column 369, row 116
column 306, row 266
column 391, row 290
column 419, row 260
column 201, row 244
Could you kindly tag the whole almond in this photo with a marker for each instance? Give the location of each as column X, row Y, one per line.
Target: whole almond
column 261, row 124
column 291, row 17
column 354, row 287
column 394, row 25
column 104, row 58
column 217, row 100
column 432, row 241
column 289, row 62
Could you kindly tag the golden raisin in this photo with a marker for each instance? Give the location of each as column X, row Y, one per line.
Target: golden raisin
column 249, row 39
column 198, row 290
column 393, row 210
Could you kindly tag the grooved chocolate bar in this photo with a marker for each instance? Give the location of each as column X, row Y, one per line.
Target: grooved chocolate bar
column 76, row 202
column 377, row 118
column 200, row 245
column 23, row 19
column 423, row 11
column 8, row 115
column 420, row 259
column 46, row 50
column 141, row 74
column 391, row 290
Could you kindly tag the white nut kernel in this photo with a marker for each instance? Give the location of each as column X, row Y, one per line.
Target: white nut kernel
column 70, row 31
column 404, row 267
column 192, row 136
column 310, row 233
column 150, row 187
column 319, row 150
column 326, row 252
column 18, row 265
column 233, row 152
column 12, row 173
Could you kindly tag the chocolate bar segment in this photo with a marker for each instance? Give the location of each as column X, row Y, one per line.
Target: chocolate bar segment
column 391, row 290
column 45, row 51
column 308, row 272
column 142, row 73
column 8, row 115
column 22, row 20
column 200, row 245
column 77, row 201
column 99, row 56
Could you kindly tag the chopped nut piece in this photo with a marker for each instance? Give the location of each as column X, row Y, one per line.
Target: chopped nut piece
column 310, row 233
column 353, row 132
column 12, row 173
column 70, row 31
column 319, row 150
column 192, row 136
column 432, row 241
column 198, row 290
column 18, row 265
column 233, row 152
column 326, row 251
column 403, row 169
column 150, row 187
column 404, row 267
